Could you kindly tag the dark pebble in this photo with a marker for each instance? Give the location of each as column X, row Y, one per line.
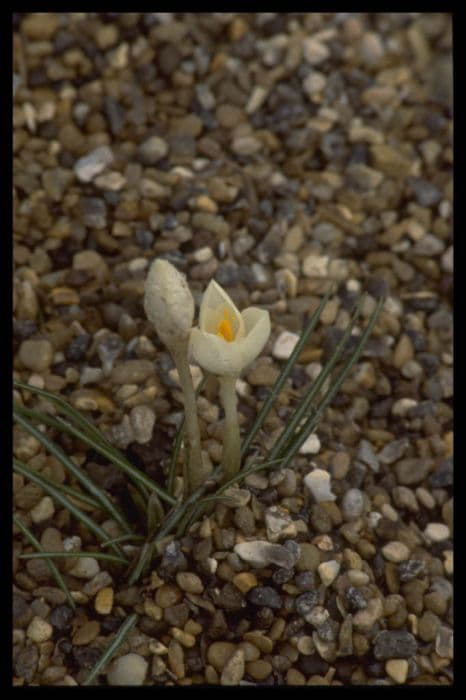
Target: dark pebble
column 26, row 663
column 312, row 665
column 106, row 476
column 111, row 623
column 306, row 601
column 305, row 580
column 176, row 615
column 86, row 657
column 229, row 598
column 394, row 644
column 24, row 329
column 264, row 618
column 60, row 617
column 282, row 576
column 328, row 630
column 76, row 350
column 115, row 114
column 408, row 570
column 93, row 212
column 443, row 475
column 265, row 596
column 427, row 194
column 22, row 613
column 173, row 560
column 355, row 598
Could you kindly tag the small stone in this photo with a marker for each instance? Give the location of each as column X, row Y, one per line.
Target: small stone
column 437, row 532
column 412, row 470
column 328, row 571
column 314, row 51
column 265, row 596
column 132, row 372
column 103, row 603
column 397, row 669
column 311, row 446
column 393, row 644
column 244, row 581
column 318, row 483
column 39, row 630
column 260, row 553
column 36, row 355
column 444, row 642
column 191, row 583
column 85, row 567
column 129, row 669
column 353, row 504
column 259, row 670
column 43, row 510
column 284, row 345
column 219, row 653
column 152, row 150
column 395, row 552
column 306, row 602
column 142, row 419
column 316, row 266
column 86, row 633
column 233, row 670
column 87, row 167
column 25, row 663
column 279, row 524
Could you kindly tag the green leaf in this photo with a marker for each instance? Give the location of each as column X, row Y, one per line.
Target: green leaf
column 53, row 569
column 120, row 637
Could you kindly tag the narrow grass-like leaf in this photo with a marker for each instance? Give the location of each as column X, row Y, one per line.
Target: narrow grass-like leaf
column 59, row 497
column 120, row 637
column 307, row 399
column 123, row 538
column 143, row 482
column 79, row 496
column 313, row 420
column 83, row 479
column 178, row 443
column 155, row 513
column 77, row 555
column 285, row 373
column 53, row 569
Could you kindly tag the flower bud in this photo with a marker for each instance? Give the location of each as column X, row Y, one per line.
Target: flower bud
column 168, row 302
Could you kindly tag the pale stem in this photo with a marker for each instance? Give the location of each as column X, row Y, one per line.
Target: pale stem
column 231, row 455
column 196, row 471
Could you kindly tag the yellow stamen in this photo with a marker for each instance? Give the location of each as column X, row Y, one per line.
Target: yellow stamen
column 225, row 328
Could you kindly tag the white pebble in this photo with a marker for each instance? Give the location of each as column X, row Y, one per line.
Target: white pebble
column 129, row 669
column 39, row 630
column 328, row 571
column 284, row 345
column 43, row 510
column 318, row 483
column 316, row 265
column 437, row 532
column 85, row 567
column 87, row 167
column 353, row 504
column 395, row 552
column 311, row 446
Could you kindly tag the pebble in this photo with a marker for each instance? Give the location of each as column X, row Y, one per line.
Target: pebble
column 352, row 505
column 188, row 582
column 87, row 167
column 132, row 372
column 279, row 524
column 130, row 669
column 316, row 266
column 142, row 419
column 412, row 471
column 328, row 571
column 36, row 355
column 393, row 644
column 311, row 446
column 219, row 653
column 85, row 567
column 244, row 581
column 284, row 345
column 44, row 510
column 86, row 633
column 103, row 603
column 397, row 669
column 437, row 532
column 233, row 670
column 395, row 552
column 152, row 150
column 265, row 596
column 261, row 553
column 314, row 51
column 318, row 483
column 39, row 630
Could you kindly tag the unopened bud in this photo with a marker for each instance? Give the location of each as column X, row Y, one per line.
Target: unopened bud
column 168, row 302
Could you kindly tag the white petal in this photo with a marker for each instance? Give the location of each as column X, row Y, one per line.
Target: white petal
column 257, row 324
column 215, row 354
column 213, row 306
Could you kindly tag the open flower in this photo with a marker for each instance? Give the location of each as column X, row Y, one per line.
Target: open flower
column 227, row 340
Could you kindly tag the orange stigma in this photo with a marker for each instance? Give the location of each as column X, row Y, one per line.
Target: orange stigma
column 225, row 328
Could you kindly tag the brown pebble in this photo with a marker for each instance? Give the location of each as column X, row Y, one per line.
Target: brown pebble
column 259, row 670
column 86, row 633
column 104, row 601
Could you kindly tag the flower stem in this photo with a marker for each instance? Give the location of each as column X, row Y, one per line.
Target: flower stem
column 196, row 470
column 231, row 456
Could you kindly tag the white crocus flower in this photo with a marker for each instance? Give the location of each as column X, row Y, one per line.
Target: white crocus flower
column 225, row 343
column 227, row 340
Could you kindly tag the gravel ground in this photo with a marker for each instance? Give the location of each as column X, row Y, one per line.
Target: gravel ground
column 277, row 153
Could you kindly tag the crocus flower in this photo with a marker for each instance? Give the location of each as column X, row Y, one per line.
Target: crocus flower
column 227, row 340
column 224, row 344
